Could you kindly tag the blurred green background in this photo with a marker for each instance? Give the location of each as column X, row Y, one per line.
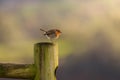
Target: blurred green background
column 89, row 28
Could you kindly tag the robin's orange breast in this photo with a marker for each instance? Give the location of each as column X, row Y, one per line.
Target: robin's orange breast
column 57, row 34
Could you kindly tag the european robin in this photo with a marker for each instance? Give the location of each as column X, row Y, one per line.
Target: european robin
column 52, row 34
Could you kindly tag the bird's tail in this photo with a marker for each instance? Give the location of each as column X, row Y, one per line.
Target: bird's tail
column 43, row 30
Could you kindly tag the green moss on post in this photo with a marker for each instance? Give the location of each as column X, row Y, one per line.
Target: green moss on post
column 21, row 71
column 46, row 60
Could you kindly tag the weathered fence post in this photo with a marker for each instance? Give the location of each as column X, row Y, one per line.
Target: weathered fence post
column 46, row 60
column 44, row 68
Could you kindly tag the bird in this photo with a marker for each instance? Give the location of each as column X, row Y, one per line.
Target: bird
column 52, row 34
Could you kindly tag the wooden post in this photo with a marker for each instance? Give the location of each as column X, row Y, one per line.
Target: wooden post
column 44, row 68
column 46, row 60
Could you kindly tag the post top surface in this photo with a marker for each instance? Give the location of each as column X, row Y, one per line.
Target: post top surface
column 44, row 43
